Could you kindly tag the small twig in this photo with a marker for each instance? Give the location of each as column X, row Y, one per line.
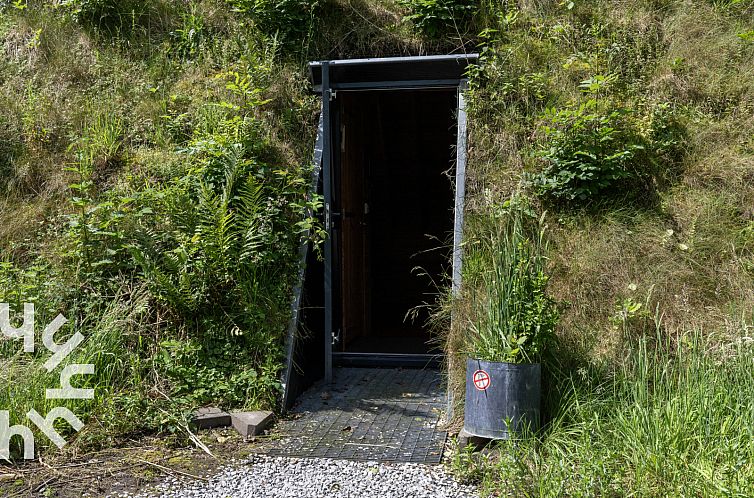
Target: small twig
column 155, row 388
column 130, row 448
column 198, row 442
column 355, row 11
column 44, row 484
column 45, row 464
column 70, row 480
column 173, row 471
column 75, row 465
column 19, row 493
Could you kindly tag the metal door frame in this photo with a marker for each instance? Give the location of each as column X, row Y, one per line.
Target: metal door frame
column 328, row 200
column 323, row 165
column 328, row 176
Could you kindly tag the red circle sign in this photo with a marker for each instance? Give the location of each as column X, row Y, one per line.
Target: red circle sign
column 481, row 380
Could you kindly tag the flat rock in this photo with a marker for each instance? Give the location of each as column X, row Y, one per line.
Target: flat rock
column 210, row 417
column 465, row 439
column 250, row 424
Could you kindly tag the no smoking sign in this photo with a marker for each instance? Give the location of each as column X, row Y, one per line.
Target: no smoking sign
column 481, row 380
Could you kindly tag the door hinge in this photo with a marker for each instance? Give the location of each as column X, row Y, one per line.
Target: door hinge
column 336, row 337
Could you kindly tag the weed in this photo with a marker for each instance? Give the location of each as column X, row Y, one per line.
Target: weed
column 598, row 150
column 436, row 17
column 187, row 38
column 513, row 317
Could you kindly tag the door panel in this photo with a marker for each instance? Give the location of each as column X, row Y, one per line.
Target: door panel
column 393, row 198
column 353, row 222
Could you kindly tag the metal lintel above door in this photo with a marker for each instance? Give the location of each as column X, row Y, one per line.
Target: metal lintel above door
column 392, row 72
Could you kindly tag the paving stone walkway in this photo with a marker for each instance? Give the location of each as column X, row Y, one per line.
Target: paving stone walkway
column 367, row 414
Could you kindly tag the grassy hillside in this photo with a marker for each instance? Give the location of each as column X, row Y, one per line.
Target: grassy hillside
column 631, row 124
column 153, row 162
column 153, row 158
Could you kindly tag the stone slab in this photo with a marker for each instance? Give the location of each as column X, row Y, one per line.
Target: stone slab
column 210, row 417
column 250, row 424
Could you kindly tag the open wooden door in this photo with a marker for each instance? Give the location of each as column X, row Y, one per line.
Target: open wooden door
column 354, row 218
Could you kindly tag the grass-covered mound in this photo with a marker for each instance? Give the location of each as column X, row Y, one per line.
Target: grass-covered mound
column 630, row 123
column 154, row 162
column 154, row 158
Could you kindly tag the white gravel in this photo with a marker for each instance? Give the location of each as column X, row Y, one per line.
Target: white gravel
column 276, row 477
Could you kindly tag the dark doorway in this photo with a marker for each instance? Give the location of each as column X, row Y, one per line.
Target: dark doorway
column 390, row 163
column 393, row 210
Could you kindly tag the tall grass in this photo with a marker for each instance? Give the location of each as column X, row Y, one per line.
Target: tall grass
column 675, row 419
column 112, row 345
column 512, row 316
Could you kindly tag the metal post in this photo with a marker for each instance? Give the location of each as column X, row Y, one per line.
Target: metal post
column 458, row 223
column 327, row 191
column 460, row 190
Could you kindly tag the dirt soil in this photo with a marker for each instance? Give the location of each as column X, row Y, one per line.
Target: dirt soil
column 130, row 468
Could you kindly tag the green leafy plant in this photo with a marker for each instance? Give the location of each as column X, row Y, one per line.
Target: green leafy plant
column 188, row 37
column 95, row 241
column 291, row 21
column 600, row 150
column 513, row 318
column 436, row 17
column 588, row 151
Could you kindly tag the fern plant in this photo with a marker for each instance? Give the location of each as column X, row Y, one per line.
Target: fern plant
column 219, row 230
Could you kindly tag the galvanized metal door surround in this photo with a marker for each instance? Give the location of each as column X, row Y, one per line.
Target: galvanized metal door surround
column 460, row 177
column 460, row 202
column 328, row 199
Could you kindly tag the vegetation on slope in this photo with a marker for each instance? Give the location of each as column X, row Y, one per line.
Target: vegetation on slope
column 631, row 123
column 154, row 157
column 155, row 165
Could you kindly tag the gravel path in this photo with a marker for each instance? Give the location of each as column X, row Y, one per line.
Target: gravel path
column 278, row 477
